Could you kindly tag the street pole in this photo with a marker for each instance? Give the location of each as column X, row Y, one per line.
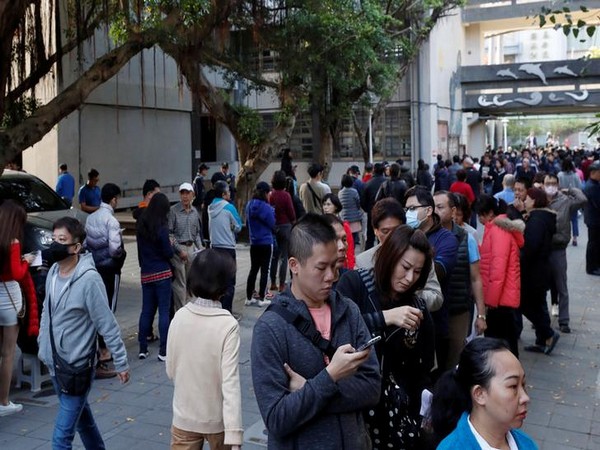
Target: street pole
column 370, row 136
column 505, row 127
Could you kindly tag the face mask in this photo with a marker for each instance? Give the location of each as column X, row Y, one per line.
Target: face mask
column 59, row 251
column 412, row 219
column 551, row 190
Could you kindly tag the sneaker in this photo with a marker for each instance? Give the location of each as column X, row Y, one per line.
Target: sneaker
column 11, row 408
column 162, row 358
column 555, row 310
column 251, row 302
column 262, row 303
column 566, row 329
column 143, row 355
column 255, row 295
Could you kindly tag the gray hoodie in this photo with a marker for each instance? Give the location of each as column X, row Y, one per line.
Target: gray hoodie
column 223, row 223
column 78, row 314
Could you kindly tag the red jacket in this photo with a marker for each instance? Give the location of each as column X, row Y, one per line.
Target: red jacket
column 499, row 265
column 15, row 269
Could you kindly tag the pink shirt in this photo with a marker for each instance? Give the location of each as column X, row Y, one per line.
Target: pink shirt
column 322, row 319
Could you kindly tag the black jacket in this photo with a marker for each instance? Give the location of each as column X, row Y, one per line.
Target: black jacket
column 535, row 266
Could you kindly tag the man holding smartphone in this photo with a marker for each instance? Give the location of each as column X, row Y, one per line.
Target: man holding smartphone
column 308, row 397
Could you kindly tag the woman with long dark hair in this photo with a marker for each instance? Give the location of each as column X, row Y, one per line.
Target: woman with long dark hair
column 14, row 270
column 386, row 297
column 260, row 220
column 482, row 402
column 285, row 216
column 154, row 253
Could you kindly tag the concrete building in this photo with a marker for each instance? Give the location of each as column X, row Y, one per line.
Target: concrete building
column 143, row 123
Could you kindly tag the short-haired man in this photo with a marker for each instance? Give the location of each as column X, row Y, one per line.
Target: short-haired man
column 420, row 213
column 312, row 192
column 354, row 172
column 149, row 188
column 199, row 192
column 185, row 231
column 313, row 396
column 89, row 194
column 104, row 240
column 224, row 222
column 565, row 202
column 368, row 200
column 227, row 177
column 507, row 193
column 592, row 220
column 465, row 281
column 65, row 185
column 387, row 214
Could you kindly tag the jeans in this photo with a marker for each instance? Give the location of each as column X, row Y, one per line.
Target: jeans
column 227, row 299
column 575, row 223
column 155, row 296
column 260, row 259
column 75, row 414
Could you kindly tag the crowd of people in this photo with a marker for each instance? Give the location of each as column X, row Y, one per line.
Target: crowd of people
column 377, row 299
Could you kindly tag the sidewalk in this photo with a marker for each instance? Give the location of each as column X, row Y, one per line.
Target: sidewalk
column 565, row 387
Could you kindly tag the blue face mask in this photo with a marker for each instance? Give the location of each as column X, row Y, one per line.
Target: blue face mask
column 412, row 219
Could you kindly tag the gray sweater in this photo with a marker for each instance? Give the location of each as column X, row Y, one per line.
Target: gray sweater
column 78, row 314
column 323, row 415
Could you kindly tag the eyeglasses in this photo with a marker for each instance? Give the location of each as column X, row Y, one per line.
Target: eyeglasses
column 414, row 208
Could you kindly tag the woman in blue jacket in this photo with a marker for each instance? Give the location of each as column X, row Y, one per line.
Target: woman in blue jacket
column 483, row 402
column 260, row 220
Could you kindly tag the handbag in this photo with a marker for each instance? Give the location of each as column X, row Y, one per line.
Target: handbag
column 70, row 380
column 20, row 313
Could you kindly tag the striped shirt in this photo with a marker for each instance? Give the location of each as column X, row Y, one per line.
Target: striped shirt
column 184, row 226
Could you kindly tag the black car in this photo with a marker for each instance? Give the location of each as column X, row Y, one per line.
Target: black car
column 43, row 207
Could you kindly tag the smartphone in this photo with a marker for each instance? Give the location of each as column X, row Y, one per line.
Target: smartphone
column 366, row 345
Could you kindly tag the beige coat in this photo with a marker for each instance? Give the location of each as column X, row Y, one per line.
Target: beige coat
column 202, row 360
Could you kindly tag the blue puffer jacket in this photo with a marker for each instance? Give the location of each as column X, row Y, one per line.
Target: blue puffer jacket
column 260, row 220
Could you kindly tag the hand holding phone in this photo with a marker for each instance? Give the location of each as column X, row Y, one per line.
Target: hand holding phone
column 369, row 343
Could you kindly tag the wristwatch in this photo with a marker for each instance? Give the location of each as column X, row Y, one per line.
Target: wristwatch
column 481, row 316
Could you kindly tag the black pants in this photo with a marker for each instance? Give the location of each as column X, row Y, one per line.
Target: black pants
column 592, row 254
column 502, row 324
column 260, row 259
column 227, row 299
column 111, row 282
column 535, row 308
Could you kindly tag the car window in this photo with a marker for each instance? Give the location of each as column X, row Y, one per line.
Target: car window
column 34, row 194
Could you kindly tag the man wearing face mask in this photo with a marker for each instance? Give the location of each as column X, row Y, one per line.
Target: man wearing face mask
column 420, row 213
column 564, row 202
column 105, row 242
column 76, row 299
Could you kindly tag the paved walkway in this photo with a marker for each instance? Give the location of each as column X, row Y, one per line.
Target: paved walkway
column 564, row 387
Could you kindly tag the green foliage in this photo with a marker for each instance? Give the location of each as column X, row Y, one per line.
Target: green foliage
column 250, row 124
column 564, row 19
column 18, row 111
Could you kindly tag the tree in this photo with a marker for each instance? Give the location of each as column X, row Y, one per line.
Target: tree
column 36, row 34
column 324, row 52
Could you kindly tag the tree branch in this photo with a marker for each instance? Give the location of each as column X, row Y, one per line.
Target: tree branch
column 16, row 139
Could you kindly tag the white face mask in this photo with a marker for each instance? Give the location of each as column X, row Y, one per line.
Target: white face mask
column 551, row 190
column 412, row 219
